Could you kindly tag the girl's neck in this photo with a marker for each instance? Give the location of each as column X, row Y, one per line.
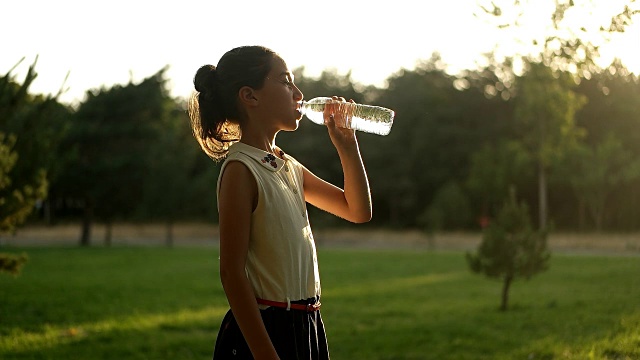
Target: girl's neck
column 266, row 143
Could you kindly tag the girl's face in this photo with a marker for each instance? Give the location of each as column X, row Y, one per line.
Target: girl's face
column 280, row 97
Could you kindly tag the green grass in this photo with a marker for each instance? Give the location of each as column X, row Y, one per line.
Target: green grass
column 157, row 303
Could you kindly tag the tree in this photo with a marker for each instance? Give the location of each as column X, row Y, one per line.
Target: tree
column 8, row 262
column 614, row 109
column 16, row 203
column 440, row 120
column 112, row 135
column 510, row 248
column 180, row 183
column 31, row 127
column 414, row 150
column 545, row 108
column 493, row 169
column 567, row 43
column 594, row 174
column 449, row 210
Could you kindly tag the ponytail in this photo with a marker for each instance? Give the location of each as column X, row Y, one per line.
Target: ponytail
column 208, row 119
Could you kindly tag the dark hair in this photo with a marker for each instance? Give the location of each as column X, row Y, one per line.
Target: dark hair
column 216, row 116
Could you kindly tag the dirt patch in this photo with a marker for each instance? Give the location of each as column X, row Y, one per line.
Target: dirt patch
column 121, row 234
column 185, row 234
column 467, row 241
column 397, row 239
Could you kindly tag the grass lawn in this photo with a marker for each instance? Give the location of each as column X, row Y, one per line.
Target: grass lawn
column 160, row 303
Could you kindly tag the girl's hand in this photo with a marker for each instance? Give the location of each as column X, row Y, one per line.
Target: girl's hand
column 337, row 115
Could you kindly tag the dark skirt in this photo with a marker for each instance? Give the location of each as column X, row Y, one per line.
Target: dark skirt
column 295, row 334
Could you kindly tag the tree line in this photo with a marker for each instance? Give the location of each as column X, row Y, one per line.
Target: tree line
column 566, row 139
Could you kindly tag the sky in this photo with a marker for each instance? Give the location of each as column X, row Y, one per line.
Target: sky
column 100, row 44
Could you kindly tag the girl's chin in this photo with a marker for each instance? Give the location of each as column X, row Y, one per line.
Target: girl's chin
column 294, row 126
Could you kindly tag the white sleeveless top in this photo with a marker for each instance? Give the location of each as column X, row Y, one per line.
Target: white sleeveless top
column 282, row 263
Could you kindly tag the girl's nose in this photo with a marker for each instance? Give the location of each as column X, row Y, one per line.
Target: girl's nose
column 297, row 94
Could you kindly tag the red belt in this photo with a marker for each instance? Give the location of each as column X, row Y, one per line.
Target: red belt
column 289, row 305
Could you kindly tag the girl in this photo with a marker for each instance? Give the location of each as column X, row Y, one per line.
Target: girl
column 268, row 264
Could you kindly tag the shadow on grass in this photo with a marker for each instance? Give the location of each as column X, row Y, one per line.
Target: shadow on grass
column 53, row 335
column 185, row 334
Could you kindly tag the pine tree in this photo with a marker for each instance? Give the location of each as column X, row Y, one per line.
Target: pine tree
column 31, row 127
column 510, row 247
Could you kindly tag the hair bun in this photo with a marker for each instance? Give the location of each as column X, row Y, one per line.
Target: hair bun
column 205, row 79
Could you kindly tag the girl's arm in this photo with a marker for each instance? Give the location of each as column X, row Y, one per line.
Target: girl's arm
column 237, row 198
column 354, row 202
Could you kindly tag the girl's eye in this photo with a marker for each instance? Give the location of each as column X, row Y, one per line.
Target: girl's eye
column 288, row 83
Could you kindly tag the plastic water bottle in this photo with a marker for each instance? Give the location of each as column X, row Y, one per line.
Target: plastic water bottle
column 367, row 118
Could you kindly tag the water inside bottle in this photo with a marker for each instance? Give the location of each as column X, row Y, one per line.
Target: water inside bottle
column 371, row 119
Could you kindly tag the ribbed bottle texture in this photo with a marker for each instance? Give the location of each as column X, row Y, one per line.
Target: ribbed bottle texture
column 367, row 118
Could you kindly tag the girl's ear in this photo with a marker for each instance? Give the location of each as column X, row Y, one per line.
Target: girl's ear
column 247, row 96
